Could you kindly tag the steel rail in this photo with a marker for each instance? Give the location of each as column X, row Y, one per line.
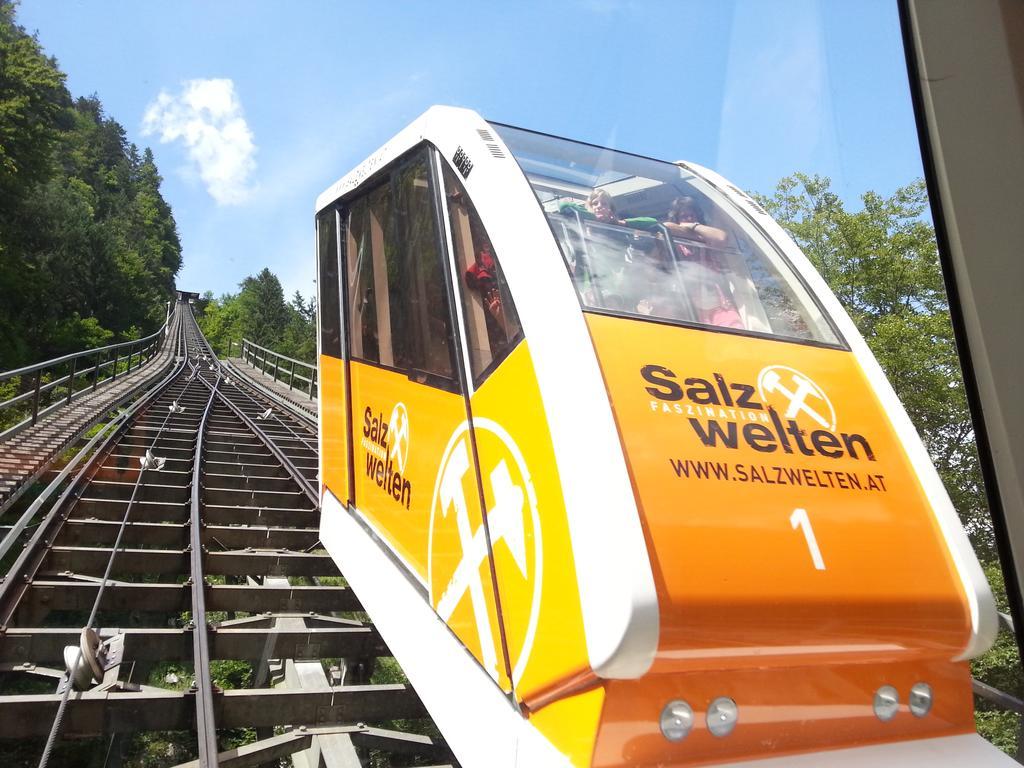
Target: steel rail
column 261, row 390
column 275, row 400
column 206, row 725
column 22, row 523
column 309, row 490
column 314, row 448
column 293, row 433
column 129, row 524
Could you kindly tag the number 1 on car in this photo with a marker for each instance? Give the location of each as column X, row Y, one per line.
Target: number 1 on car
column 800, row 518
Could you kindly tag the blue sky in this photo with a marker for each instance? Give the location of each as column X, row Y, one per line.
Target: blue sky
column 253, row 108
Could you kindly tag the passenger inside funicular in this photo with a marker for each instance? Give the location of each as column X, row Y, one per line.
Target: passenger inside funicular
column 481, row 276
column 636, row 272
column 705, row 272
column 644, row 238
column 607, row 249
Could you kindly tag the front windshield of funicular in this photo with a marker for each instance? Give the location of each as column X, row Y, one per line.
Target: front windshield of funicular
column 645, row 238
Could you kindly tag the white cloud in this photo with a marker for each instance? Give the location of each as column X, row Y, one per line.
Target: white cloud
column 206, row 116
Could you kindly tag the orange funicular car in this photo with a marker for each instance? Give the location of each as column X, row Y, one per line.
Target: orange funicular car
column 616, row 476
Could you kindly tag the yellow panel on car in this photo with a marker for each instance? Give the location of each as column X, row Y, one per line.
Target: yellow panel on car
column 335, row 446
column 529, row 533
column 404, row 446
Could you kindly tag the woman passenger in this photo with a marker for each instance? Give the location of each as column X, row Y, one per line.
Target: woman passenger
column 686, row 219
column 704, row 272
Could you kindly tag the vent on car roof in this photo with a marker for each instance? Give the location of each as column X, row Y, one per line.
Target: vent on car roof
column 750, row 200
column 492, row 147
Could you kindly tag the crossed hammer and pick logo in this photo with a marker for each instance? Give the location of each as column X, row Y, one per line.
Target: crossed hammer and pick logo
column 799, row 392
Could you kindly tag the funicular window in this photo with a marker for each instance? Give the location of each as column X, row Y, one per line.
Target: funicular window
column 427, row 302
column 363, row 282
column 399, row 303
column 492, row 324
column 328, row 306
column 645, row 238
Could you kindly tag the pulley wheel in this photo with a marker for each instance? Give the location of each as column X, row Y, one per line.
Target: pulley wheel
column 90, row 644
column 77, row 667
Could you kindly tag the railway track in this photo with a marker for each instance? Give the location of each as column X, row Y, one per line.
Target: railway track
column 174, row 603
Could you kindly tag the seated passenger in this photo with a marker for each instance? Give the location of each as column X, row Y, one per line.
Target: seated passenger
column 481, row 277
column 600, row 206
column 606, row 251
column 712, row 305
column 686, row 219
column 704, row 271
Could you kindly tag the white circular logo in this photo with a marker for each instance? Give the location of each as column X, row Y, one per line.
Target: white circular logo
column 798, row 393
column 398, row 428
column 458, row 574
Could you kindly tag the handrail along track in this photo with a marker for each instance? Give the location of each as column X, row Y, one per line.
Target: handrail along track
column 100, row 357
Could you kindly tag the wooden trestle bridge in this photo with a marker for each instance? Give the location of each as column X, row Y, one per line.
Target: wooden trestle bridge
column 160, row 511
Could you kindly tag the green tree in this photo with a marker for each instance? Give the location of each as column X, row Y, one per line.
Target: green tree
column 300, row 331
column 88, row 245
column 32, row 98
column 220, row 320
column 263, row 309
column 258, row 312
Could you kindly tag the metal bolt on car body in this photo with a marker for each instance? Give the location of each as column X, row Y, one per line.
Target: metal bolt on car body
column 722, row 716
column 920, row 699
column 676, row 720
column 886, row 703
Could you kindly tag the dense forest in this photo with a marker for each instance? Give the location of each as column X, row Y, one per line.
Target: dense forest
column 259, row 313
column 88, row 245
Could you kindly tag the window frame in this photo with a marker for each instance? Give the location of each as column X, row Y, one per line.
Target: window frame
column 725, row 200
column 339, row 315
column 385, row 177
column 475, row 378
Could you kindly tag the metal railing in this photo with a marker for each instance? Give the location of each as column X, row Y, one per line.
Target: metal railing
column 1001, row 700
column 282, row 368
column 57, row 382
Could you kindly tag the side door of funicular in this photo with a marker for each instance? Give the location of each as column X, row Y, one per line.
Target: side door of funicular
column 519, row 481
column 410, row 468
column 334, row 424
